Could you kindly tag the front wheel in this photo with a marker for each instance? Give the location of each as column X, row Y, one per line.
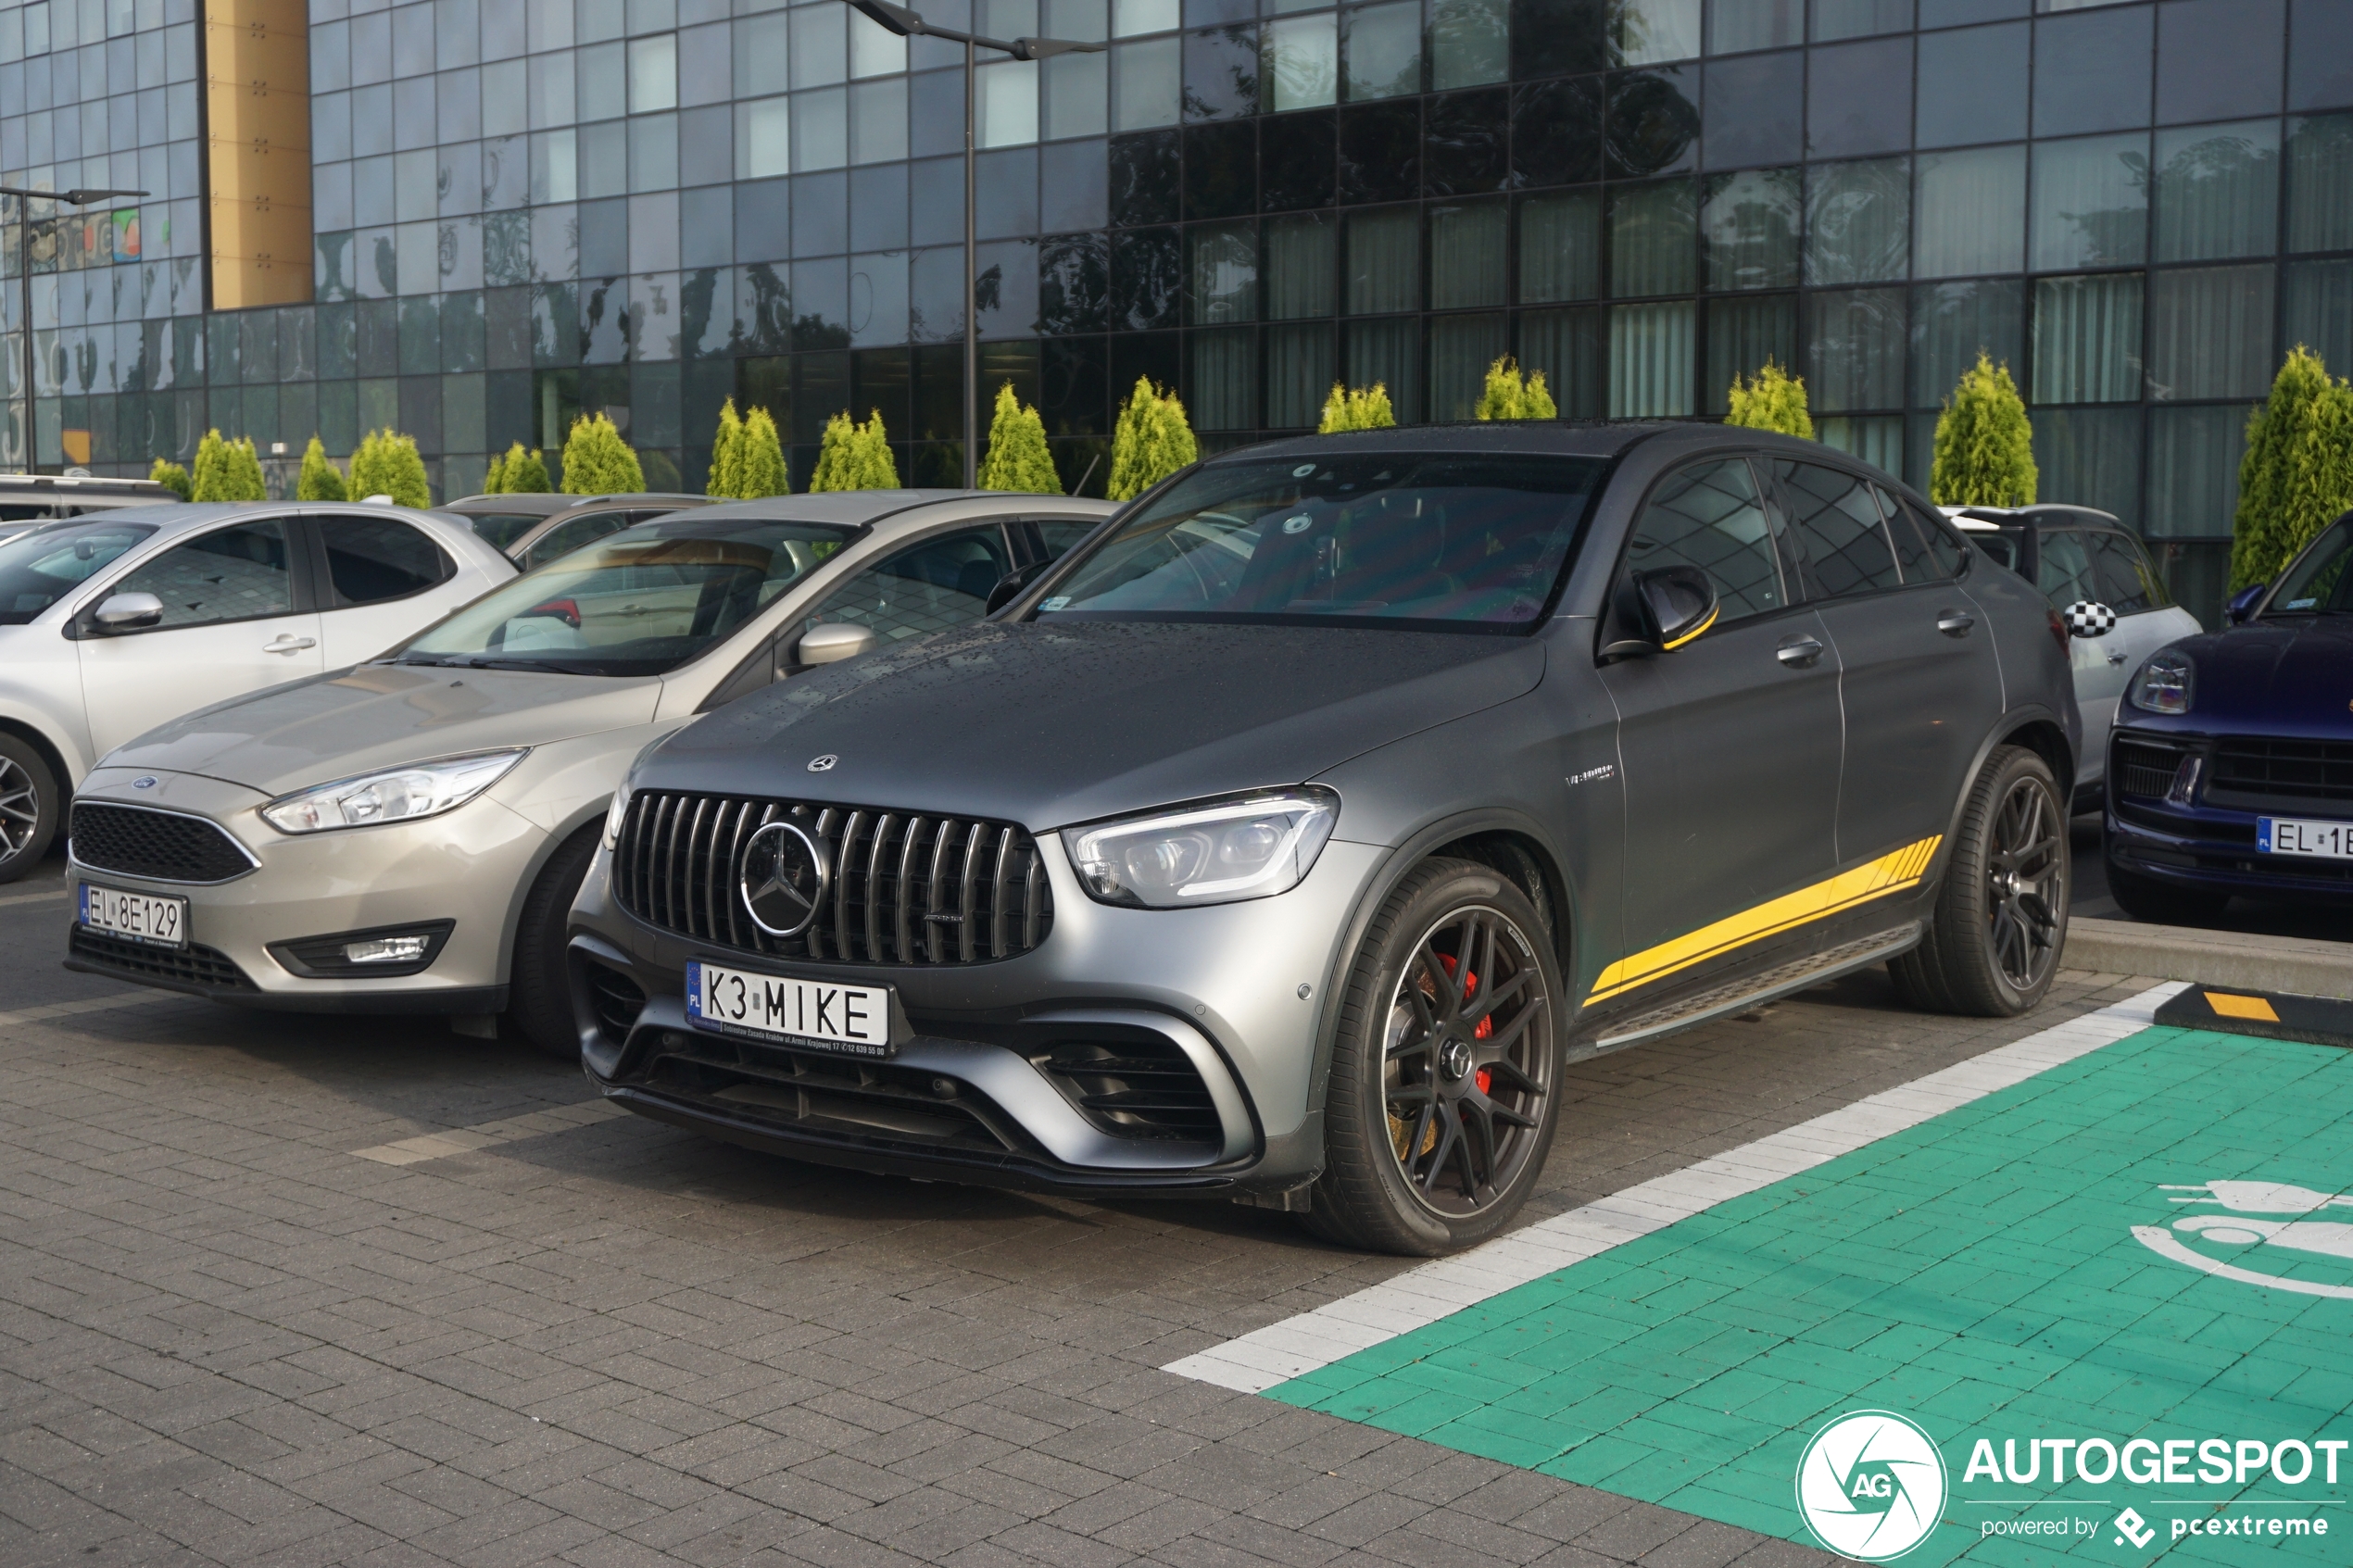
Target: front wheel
column 29, row 808
column 1445, row 1077
column 540, row 998
column 1994, row 940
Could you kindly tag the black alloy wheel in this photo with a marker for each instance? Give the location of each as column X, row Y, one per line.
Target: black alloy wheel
column 2026, row 871
column 1999, row 922
column 1445, row 1076
column 28, row 808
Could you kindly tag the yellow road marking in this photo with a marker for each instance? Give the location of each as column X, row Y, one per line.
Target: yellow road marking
column 1889, row 873
column 2228, row 1006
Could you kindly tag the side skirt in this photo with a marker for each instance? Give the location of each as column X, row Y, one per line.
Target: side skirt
column 1752, row 991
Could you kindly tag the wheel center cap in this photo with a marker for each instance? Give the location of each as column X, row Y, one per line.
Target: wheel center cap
column 1455, row 1058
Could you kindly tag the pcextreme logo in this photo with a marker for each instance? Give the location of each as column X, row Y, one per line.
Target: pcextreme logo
column 1872, row 1485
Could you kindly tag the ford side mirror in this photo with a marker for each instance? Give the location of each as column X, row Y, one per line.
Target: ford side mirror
column 1675, row 604
column 834, row 642
column 2087, row 619
column 1009, row 587
column 2241, row 609
column 128, row 612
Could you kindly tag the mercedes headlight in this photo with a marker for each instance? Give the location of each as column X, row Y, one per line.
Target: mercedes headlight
column 1247, row 846
column 395, row 795
column 2163, row 684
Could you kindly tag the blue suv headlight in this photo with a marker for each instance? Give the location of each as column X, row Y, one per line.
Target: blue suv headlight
column 2164, row 685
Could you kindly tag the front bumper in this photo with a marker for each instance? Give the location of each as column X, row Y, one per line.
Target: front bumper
column 2167, row 821
column 458, row 873
column 1021, row 1071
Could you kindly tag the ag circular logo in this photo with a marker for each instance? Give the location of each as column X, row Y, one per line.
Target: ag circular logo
column 1872, row 1485
column 785, row 877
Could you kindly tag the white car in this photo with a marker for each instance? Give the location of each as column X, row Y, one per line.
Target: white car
column 114, row 622
column 2078, row 555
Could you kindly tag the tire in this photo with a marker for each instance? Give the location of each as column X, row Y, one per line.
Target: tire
column 29, row 808
column 1489, row 1086
column 1999, row 925
column 2146, row 898
column 540, row 991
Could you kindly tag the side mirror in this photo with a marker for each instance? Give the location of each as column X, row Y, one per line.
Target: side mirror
column 2241, row 608
column 2087, row 619
column 834, row 642
column 1675, row 604
column 128, row 612
column 1009, row 587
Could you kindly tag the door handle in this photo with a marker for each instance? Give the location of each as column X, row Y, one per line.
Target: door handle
column 1955, row 622
column 286, row 642
column 1798, row 653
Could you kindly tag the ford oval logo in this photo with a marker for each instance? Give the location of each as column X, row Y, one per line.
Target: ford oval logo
column 146, row 783
column 823, row 764
column 785, row 873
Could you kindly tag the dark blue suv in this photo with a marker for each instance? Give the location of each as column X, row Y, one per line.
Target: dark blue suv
column 2231, row 770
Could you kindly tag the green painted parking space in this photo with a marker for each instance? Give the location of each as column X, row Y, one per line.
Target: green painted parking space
column 2132, row 1273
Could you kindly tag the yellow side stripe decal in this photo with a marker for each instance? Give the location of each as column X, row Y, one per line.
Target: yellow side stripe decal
column 1889, row 873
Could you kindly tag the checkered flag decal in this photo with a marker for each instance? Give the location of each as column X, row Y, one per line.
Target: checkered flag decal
column 2086, row 619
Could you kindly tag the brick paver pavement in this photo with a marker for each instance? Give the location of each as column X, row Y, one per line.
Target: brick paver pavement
column 225, row 1338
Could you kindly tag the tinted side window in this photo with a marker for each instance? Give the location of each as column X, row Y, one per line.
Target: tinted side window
column 2065, row 575
column 2126, row 578
column 1059, row 534
column 236, row 573
column 1711, row 515
column 1923, row 548
column 373, row 559
column 566, row 537
column 1847, row 550
column 926, row 587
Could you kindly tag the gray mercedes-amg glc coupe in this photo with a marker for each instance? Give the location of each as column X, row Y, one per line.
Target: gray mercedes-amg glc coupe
column 1287, row 837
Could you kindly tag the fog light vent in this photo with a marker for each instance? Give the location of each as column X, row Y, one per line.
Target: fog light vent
column 381, row 952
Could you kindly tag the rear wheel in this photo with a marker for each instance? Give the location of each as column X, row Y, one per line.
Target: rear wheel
column 2146, row 898
column 539, row 995
column 29, row 808
column 1994, row 941
column 1445, row 1076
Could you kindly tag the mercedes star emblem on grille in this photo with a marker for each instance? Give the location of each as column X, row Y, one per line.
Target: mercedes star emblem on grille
column 823, row 764
column 784, row 877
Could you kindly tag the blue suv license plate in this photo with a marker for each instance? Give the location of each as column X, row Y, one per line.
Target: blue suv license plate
column 2303, row 835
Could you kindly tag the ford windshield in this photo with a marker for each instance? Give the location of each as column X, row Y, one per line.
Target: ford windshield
column 640, row 602
column 1435, row 542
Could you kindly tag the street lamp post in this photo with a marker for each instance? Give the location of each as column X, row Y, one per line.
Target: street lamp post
column 909, row 24
column 24, row 277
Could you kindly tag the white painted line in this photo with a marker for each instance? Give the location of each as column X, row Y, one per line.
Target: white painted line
column 1300, row 1345
column 32, row 897
column 465, row 1140
column 95, row 1004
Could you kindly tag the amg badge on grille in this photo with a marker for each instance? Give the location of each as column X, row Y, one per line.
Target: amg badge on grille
column 785, row 878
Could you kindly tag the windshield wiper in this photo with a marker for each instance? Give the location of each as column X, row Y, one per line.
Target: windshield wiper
column 481, row 661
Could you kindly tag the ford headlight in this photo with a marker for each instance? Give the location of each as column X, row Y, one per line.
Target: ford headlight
column 1248, row 846
column 395, row 795
column 2163, row 684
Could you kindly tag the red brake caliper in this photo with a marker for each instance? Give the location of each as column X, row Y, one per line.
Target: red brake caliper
column 1486, row 1028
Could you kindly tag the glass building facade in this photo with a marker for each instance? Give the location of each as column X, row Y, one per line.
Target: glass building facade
column 523, row 209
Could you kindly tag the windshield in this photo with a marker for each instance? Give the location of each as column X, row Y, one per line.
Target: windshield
column 640, row 602
column 2318, row 583
column 499, row 529
column 1471, row 543
column 37, row 569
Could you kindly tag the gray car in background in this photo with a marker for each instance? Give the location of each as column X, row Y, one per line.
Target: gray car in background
column 1285, row 840
column 406, row 836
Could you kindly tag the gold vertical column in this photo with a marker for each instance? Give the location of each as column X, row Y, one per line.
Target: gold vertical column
column 257, row 159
